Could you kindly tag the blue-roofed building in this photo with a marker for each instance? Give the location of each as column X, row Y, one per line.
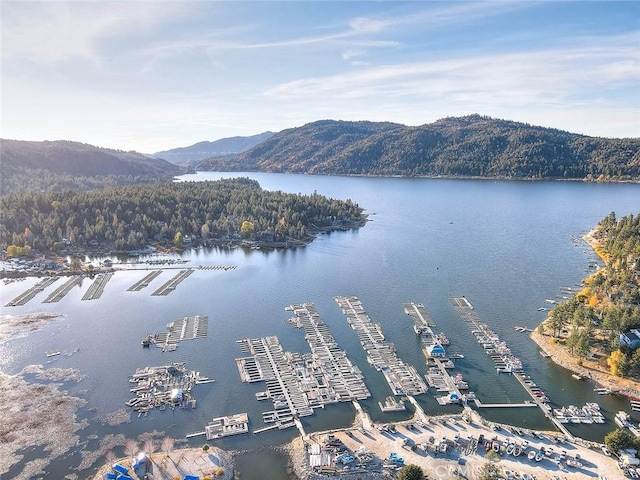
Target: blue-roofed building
column 630, row 339
column 191, row 477
column 120, row 469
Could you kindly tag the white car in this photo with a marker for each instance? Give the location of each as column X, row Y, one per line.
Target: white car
column 606, row 451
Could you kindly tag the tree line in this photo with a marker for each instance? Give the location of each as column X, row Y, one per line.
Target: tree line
column 609, row 303
column 132, row 217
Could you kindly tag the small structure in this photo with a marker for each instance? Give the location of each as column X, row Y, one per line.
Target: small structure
column 227, row 426
column 630, row 339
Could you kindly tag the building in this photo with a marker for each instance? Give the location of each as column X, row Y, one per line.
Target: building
column 630, row 339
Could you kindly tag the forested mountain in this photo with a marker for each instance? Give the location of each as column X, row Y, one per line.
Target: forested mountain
column 59, row 165
column 219, row 148
column 128, row 218
column 471, row 146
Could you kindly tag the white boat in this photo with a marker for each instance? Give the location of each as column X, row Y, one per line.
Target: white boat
column 576, row 376
column 531, row 455
column 539, row 456
column 602, row 391
column 510, row 449
column 52, row 354
column 622, row 419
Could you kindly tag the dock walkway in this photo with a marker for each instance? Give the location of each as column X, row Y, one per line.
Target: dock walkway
column 25, row 297
column 97, row 287
column 60, row 292
column 171, row 285
column 140, row 284
column 402, row 378
column 505, row 361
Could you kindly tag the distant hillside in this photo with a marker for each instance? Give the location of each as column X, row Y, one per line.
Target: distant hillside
column 471, row 146
column 219, row 148
column 58, row 165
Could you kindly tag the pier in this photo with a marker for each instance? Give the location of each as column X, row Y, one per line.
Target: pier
column 171, row 285
column 402, row 378
column 25, row 297
column 97, row 287
column 505, row 361
column 437, row 360
column 139, row 285
column 60, row 292
column 186, row 328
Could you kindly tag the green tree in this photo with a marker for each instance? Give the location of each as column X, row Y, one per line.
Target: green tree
column 410, row 472
column 619, row 440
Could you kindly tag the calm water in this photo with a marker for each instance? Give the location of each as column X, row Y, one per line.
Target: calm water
column 506, row 246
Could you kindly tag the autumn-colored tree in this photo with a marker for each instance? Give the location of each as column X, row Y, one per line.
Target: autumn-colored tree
column 614, row 361
column 247, row 229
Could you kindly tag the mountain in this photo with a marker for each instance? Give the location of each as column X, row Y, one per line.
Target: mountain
column 219, row 148
column 45, row 166
column 470, row 146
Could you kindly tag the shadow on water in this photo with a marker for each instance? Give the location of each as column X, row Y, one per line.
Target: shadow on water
column 253, row 465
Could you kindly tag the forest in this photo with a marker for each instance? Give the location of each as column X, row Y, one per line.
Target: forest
column 609, row 303
column 470, row 146
column 129, row 218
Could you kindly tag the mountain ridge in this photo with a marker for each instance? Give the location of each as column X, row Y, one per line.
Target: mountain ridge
column 469, row 146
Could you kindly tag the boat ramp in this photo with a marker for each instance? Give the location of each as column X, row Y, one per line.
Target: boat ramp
column 402, row 378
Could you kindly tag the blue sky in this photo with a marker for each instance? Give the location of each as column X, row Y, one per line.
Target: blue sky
column 154, row 75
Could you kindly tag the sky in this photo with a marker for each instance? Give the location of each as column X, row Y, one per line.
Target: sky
column 154, row 75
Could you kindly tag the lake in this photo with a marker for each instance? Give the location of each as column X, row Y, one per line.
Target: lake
column 506, row 246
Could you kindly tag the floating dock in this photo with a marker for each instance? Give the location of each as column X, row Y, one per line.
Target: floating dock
column 140, row 284
column 164, row 386
column 25, row 297
column 97, row 287
column 298, row 383
column 505, row 361
column 60, row 292
column 171, row 285
column 392, row 405
column 186, row 328
column 221, row 427
column 402, row 378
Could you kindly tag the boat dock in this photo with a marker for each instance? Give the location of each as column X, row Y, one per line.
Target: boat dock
column 269, row 363
column 437, row 360
column 97, row 287
column 402, row 378
column 159, row 387
column 186, row 328
column 344, row 380
column 140, row 284
column 227, row 426
column 392, row 405
column 505, row 361
column 298, row 383
column 171, row 285
column 60, row 292
column 25, row 297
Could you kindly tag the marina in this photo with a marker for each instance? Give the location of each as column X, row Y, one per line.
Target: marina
column 403, row 379
column 298, row 383
column 504, row 360
column 25, row 297
column 171, row 285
